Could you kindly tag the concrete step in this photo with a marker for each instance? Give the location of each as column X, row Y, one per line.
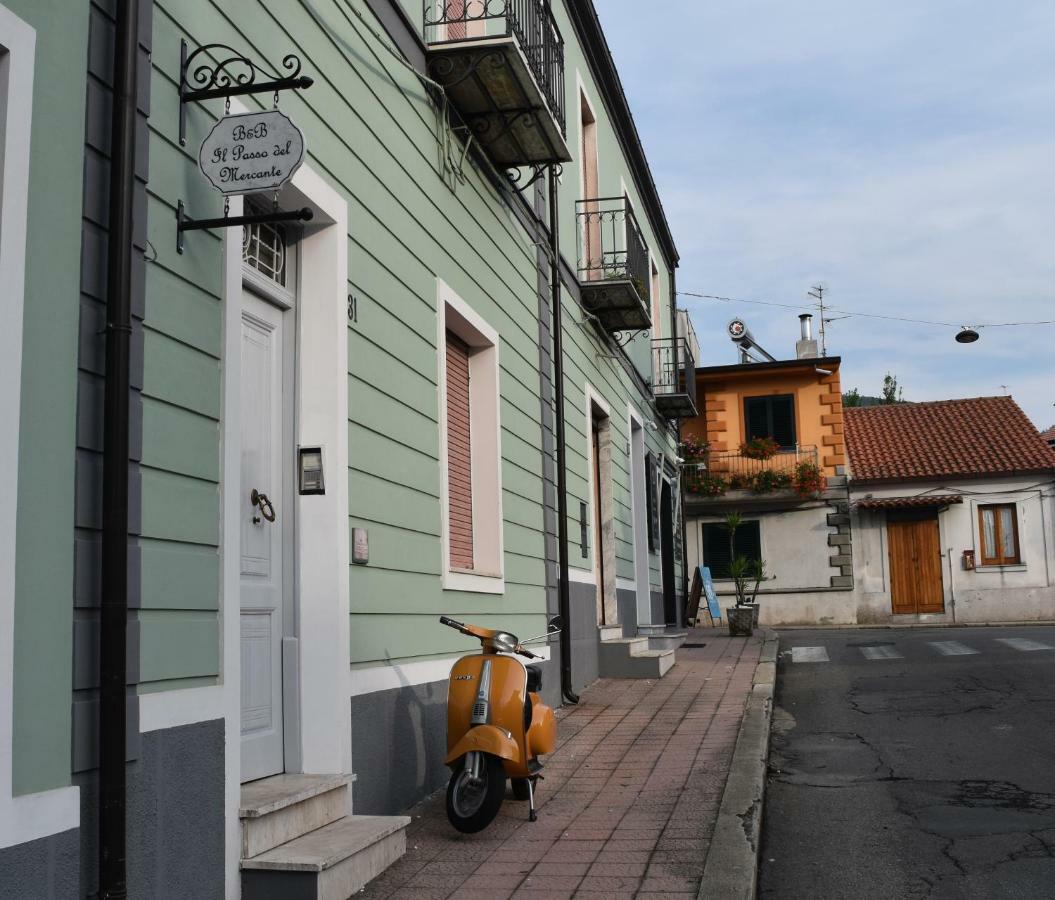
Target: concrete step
column 332, row 863
column 610, row 632
column 284, row 807
column 632, row 658
column 667, row 640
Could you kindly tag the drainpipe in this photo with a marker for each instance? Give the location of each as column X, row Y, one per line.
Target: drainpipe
column 681, row 486
column 114, row 583
column 563, row 596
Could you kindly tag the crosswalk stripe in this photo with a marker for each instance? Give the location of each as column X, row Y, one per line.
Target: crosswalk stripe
column 881, row 653
column 809, row 654
column 951, row 648
column 1025, row 644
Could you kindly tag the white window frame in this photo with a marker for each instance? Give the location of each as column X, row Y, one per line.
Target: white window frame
column 485, row 441
column 31, row 816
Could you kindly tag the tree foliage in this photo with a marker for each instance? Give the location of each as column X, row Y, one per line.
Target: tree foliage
column 891, row 391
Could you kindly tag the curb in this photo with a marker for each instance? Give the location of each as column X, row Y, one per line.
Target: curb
column 731, row 870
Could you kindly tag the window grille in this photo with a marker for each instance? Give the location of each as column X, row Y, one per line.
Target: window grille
column 265, row 247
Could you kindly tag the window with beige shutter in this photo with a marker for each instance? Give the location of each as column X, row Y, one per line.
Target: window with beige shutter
column 998, row 533
column 459, row 455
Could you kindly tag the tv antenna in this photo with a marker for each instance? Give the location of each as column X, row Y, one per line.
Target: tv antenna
column 817, row 293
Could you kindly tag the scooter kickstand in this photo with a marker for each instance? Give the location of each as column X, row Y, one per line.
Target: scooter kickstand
column 532, row 815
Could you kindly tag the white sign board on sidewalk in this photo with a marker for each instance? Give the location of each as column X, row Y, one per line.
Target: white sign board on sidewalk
column 247, row 153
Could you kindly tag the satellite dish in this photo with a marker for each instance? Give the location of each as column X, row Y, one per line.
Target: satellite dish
column 967, row 336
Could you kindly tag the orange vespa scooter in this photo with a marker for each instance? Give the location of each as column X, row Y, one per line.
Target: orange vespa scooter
column 496, row 726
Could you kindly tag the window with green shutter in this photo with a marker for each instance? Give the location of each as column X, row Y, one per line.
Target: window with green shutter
column 771, row 417
column 716, row 550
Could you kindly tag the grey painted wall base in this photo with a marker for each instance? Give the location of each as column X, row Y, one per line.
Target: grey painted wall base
column 584, row 664
column 399, row 739
column 659, row 613
column 45, row 869
column 175, row 816
column 627, row 601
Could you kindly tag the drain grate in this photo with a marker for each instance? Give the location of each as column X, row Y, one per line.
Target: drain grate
column 693, row 646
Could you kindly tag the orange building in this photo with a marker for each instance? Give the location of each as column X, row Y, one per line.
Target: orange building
column 769, row 445
column 797, row 402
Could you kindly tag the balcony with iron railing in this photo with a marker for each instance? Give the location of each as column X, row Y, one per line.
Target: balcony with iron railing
column 613, row 264
column 788, row 477
column 501, row 63
column 674, row 377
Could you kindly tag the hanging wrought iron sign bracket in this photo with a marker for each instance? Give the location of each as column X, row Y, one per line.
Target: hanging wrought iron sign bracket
column 244, row 152
column 186, row 223
column 232, row 75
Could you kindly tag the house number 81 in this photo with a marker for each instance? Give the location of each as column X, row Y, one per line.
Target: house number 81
column 353, row 309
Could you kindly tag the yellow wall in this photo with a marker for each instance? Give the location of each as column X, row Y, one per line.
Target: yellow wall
column 818, row 407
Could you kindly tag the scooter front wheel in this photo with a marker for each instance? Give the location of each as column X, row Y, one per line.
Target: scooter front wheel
column 474, row 800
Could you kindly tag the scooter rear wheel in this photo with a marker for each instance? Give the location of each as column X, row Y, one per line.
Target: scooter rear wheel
column 471, row 805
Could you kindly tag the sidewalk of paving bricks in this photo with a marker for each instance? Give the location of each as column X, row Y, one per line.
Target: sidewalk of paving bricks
column 629, row 800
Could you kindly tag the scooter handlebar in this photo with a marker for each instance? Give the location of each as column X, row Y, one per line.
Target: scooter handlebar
column 524, row 652
column 452, row 623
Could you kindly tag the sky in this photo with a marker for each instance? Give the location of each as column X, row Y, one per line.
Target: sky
column 900, row 153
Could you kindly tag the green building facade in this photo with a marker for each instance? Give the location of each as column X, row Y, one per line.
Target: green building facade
column 295, row 436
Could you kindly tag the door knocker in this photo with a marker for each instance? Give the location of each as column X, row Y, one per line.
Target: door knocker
column 266, row 509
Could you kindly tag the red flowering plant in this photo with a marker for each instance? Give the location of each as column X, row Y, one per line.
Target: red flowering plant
column 692, row 449
column 759, row 448
column 809, row 479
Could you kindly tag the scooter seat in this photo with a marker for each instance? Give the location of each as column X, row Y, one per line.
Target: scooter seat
column 534, row 678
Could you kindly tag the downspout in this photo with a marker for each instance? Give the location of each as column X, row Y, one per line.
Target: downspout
column 114, row 583
column 681, row 486
column 563, row 596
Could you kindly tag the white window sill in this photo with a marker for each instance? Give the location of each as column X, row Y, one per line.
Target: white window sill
column 473, row 582
column 1013, row 567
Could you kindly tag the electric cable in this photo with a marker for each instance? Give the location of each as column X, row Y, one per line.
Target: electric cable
column 852, row 314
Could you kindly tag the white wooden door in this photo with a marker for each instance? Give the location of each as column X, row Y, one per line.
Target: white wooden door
column 264, row 395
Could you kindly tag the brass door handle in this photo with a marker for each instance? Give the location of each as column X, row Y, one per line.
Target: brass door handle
column 260, row 501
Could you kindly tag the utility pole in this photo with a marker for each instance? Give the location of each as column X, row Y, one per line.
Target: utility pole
column 818, row 294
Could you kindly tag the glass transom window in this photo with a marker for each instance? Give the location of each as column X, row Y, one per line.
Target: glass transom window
column 265, row 247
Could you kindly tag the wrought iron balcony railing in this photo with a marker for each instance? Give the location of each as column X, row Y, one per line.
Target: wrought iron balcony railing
column 674, row 377
column 502, row 65
column 613, row 264
column 787, row 470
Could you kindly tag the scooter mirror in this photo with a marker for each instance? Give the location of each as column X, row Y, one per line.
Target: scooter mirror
column 556, row 624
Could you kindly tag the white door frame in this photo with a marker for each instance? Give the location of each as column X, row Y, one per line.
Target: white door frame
column 317, row 701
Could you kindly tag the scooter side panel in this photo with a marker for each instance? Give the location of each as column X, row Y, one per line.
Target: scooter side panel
column 542, row 735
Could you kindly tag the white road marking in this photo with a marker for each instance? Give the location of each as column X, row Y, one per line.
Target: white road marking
column 1025, row 644
column 952, row 648
column 881, row 653
column 809, row 654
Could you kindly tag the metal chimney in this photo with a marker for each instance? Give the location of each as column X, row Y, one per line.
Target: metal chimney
column 806, row 346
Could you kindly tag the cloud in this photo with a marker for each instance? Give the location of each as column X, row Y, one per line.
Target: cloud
column 900, row 152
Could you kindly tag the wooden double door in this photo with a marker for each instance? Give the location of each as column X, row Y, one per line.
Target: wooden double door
column 915, row 562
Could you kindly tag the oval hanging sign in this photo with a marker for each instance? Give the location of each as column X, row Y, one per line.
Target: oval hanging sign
column 247, row 153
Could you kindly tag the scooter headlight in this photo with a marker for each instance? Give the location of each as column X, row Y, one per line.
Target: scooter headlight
column 505, row 642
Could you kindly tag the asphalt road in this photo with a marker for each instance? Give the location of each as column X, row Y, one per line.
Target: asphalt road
column 908, row 766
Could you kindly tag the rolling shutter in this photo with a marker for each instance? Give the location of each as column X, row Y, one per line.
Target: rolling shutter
column 455, row 13
column 459, row 455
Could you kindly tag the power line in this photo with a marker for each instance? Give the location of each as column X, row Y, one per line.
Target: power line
column 853, row 313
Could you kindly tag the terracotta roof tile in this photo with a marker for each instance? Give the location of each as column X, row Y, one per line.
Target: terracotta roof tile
column 1049, row 435
column 946, row 438
column 919, row 502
